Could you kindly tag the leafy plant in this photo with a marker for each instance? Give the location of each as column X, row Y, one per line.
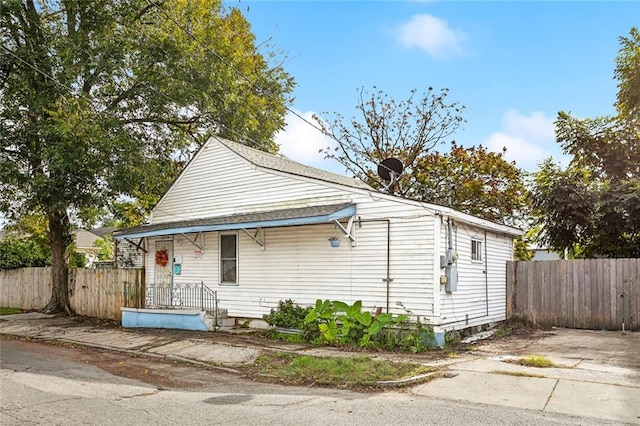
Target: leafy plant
column 287, row 315
column 340, row 322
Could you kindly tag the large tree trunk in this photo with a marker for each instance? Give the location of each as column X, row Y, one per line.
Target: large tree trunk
column 60, row 239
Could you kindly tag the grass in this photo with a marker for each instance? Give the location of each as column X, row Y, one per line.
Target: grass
column 534, row 361
column 518, row 374
column 9, row 311
column 341, row 372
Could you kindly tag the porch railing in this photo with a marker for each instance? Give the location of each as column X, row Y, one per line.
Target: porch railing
column 172, row 296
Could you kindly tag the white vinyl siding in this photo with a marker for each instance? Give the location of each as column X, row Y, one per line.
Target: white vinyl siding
column 298, row 263
column 219, row 183
column 481, row 294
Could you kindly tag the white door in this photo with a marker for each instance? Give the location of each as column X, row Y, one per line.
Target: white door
column 164, row 272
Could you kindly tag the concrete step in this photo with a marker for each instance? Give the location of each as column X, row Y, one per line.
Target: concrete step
column 226, row 322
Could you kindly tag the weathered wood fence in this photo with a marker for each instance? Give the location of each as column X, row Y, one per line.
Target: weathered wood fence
column 93, row 292
column 590, row 293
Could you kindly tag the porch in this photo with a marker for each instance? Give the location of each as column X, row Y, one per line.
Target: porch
column 183, row 306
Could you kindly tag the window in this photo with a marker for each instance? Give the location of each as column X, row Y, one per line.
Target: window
column 228, row 259
column 476, row 250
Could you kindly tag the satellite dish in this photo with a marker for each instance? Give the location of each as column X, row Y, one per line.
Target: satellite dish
column 389, row 170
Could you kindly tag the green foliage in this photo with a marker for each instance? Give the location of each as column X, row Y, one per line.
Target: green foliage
column 342, row 323
column 472, row 180
column 521, row 250
column 627, row 73
column 105, row 246
column 404, row 129
column 22, row 253
column 349, row 372
column 592, row 207
column 77, row 260
column 105, row 101
column 287, row 315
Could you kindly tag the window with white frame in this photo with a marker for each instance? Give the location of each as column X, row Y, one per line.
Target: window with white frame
column 228, row 259
column 476, row 250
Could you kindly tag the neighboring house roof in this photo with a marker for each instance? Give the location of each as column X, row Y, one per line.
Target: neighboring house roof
column 85, row 239
column 273, row 218
column 105, row 230
column 283, row 164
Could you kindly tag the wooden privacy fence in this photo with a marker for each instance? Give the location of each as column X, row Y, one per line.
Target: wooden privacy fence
column 93, row 292
column 588, row 293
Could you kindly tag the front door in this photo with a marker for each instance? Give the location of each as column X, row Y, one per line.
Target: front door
column 164, row 272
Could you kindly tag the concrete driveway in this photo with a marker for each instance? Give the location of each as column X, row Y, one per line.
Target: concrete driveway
column 595, row 374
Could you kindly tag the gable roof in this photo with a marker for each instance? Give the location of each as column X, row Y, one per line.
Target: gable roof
column 84, row 238
column 270, row 162
column 280, row 163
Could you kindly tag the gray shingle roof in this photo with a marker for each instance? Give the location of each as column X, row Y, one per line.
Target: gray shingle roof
column 283, row 164
column 236, row 221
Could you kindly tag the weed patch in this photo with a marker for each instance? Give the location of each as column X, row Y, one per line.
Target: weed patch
column 533, row 361
column 359, row 372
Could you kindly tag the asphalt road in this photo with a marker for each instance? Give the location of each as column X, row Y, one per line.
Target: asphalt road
column 55, row 385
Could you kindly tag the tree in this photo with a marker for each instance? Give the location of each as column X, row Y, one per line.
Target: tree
column 593, row 206
column 563, row 202
column 405, row 130
column 472, row 180
column 627, row 73
column 98, row 99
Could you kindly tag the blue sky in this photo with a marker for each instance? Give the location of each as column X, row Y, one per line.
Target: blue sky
column 513, row 65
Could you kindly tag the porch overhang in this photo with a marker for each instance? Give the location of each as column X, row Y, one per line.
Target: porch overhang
column 266, row 219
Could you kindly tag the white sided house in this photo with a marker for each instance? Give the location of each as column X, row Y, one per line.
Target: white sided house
column 256, row 228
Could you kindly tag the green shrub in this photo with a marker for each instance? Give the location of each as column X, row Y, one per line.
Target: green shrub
column 22, row 253
column 287, row 315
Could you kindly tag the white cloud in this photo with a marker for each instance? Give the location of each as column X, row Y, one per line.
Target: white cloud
column 432, row 35
column 529, row 139
column 301, row 142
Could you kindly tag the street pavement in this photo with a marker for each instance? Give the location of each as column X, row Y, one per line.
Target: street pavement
column 596, row 374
